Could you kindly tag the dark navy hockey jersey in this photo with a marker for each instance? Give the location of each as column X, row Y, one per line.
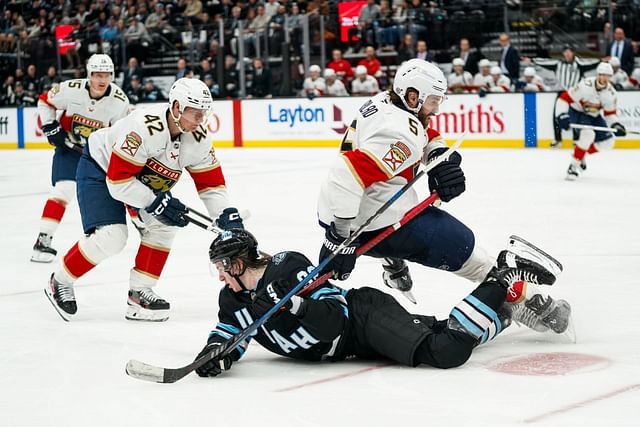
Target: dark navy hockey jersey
column 312, row 334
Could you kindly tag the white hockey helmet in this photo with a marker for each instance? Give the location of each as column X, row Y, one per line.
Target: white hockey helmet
column 192, row 93
column 424, row 77
column 329, row 72
column 315, row 69
column 529, row 72
column 495, row 70
column 484, row 63
column 361, row 70
column 614, row 61
column 604, row 68
column 99, row 63
column 458, row 62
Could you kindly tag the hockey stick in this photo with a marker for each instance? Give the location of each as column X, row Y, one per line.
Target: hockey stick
column 211, row 225
column 601, row 128
column 146, row 372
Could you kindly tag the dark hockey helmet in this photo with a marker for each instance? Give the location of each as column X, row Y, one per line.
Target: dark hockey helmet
column 233, row 244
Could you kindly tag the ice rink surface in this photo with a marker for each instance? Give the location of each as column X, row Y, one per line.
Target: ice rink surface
column 54, row 373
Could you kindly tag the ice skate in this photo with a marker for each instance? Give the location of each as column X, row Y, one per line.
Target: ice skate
column 396, row 275
column 573, row 172
column 145, row 305
column 583, row 164
column 528, row 250
column 542, row 313
column 42, row 250
column 62, row 298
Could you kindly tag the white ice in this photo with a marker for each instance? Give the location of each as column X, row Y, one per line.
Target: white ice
column 54, row 373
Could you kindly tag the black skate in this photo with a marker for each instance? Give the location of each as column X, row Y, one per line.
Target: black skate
column 145, row 305
column 525, row 249
column 542, row 313
column 42, row 250
column 396, row 276
column 573, row 172
column 62, row 298
column 583, row 164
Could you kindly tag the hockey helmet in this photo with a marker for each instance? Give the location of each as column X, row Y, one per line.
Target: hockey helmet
column 484, row 63
column 604, row 68
column 99, row 63
column 496, row 71
column 192, row 93
column 614, row 61
column 529, row 72
column 458, row 62
column 232, row 244
column 424, row 77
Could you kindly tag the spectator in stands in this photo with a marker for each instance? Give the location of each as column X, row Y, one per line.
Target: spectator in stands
column 459, row 81
column 499, row 82
column 192, row 9
column 314, row 85
column 407, row 49
column 482, row 79
column 31, row 83
column 368, row 15
column 334, row 86
column 621, row 48
column 364, row 84
column 137, row 38
column 133, row 69
column 271, row 8
column 22, row 99
column 422, row 51
column 276, row 30
column 214, row 88
column 295, row 29
column 8, row 92
column 204, row 68
column 151, row 93
column 183, row 70
column 109, row 33
column 50, row 79
column 341, row 66
column 470, row 56
column 620, row 79
column 7, row 38
column 509, row 58
column 261, row 82
column 156, row 20
column 371, row 62
column 417, row 17
column 230, row 77
column 530, row 81
column 385, row 28
column 135, row 92
column 256, row 28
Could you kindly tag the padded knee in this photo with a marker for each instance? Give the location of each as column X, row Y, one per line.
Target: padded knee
column 587, row 136
column 64, row 191
column 606, row 144
column 158, row 234
column 104, row 242
column 477, row 266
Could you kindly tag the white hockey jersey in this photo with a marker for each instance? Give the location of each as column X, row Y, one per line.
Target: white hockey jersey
column 586, row 98
column 622, row 78
column 503, row 84
column 459, row 80
column 140, row 158
column 367, row 87
column 635, row 77
column 482, row 81
column 82, row 115
column 318, row 86
column 336, row 89
column 536, row 85
column 380, row 153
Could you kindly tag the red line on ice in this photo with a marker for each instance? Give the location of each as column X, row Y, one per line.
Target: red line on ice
column 334, row 378
column 577, row 405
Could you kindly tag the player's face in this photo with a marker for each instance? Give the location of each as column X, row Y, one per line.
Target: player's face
column 192, row 118
column 603, row 79
column 226, row 278
column 99, row 82
column 431, row 106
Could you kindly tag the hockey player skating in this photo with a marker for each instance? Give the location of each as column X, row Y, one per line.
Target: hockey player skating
column 331, row 323
column 380, row 153
column 591, row 102
column 136, row 162
column 86, row 105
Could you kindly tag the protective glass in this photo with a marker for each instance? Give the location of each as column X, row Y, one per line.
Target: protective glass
column 194, row 115
column 434, row 100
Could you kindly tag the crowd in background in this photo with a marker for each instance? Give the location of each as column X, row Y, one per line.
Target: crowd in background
column 388, row 32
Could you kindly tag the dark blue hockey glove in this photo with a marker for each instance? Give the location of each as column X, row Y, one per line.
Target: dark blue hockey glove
column 55, row 134
column 343, row 263
column 447, row 178
column 563, row 121
column 214, row 367
column 168, row 210
column 230, row 218
column 620, row 130
column 482, row 92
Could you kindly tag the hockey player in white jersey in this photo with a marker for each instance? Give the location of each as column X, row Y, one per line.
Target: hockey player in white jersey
column 380, row 152
column 136, row 162
column 86, row 105
column 460, row 81
column 499, row 83
column 483, row 78
column 591, row 102
column 530, row 81
column 364, row 84
column 620, row 78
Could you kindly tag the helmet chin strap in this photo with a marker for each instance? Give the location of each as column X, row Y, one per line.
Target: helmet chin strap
column 176, row 120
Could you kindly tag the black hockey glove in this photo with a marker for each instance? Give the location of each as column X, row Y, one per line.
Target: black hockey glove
column 168, row 210
column 564, row 121
column 620, row 130
column 214, row 367
column 447, row 178
column 55, row 134
column 230, row 218
column 482, row 92
column 270, row 295
column 344, row 262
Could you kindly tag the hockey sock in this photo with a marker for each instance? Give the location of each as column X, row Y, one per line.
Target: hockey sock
column 52, row 215
column 579, row 153
column 592, row 149
column 150, row 261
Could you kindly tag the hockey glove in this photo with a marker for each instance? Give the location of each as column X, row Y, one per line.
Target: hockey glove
column 270, row 295
column 214, row 367
column 447, row 178
column 230, row 218
column 55, row 134
column 620, row 130
column 168, row 210
column 563, row 121
column 482, row 92
column 344, row 262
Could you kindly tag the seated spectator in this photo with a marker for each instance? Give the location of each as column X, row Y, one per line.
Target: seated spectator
column 192, row 8
column 530, row 81
column 31, row 82
column 135, row 92
column 314, row 85
column 368, row 15
column 231, row 82
column 364, row 84
column 256, row 28
column 151, row 93
column 371, row 63
column 334, row 86
column 483, row 78
column 22, row 98
column 214, row 88
column 385, row 28
column 183, row 70
column 276, row 30
column 204, row 68
column 417, row 17
column 459, row 81
column 422, row 51
column 341, row 66
column 620, row 79
column 499, row 82
column 137, row 38
column 109, row 33
column 7, row 92
column 407, row 49
column 133, row 69
column 261, row 82
column 47, row 82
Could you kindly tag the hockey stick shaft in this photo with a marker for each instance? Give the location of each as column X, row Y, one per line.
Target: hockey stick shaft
column 601, row 128
column 147, row 372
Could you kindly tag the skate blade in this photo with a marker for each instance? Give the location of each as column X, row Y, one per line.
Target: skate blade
column 570, row 178
column 409, row 295
column 65, row 316
column 525, row 249
column 570, row 332
column 137, row 313
column 42, row 257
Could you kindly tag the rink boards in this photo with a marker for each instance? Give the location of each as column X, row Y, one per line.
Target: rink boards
column 495, row 121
